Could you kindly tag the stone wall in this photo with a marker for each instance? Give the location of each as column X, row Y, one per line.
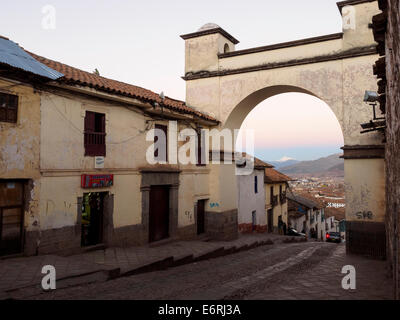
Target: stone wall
column 393, row 136
column 222, row 226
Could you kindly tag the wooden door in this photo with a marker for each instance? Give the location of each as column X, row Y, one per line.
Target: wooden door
column 270, row 220
column 159, row 213
column 93, row 218
column 11, row 217
column 200, row 216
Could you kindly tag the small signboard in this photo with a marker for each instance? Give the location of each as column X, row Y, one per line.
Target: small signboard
column 99, row 162
column 97, row 180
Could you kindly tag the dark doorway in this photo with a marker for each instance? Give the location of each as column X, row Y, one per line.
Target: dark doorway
column 11, row 216
column 159, row 213
column 201, row 216
column 253, row 221
column 92, row 218
column 270, row 214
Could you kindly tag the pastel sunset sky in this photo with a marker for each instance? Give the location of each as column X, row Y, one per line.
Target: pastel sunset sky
column 138, row 42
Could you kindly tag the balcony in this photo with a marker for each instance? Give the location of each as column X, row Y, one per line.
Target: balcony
column 95, row 144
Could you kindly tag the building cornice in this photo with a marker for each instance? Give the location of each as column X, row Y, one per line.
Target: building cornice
column 295, row 43
column 208, row 32
column 342, row 4
column 358, row 52
column 363, row 152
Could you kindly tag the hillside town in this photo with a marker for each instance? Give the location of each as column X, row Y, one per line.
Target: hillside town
column 112, row 191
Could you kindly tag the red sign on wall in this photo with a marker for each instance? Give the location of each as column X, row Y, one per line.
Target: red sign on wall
column 97, row 180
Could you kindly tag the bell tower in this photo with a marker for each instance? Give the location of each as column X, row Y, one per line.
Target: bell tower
column 203, row 46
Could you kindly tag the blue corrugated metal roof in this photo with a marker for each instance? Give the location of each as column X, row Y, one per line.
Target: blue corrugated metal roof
column 13, row 55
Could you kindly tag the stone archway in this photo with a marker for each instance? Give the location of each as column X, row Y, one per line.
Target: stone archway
column 336, row 68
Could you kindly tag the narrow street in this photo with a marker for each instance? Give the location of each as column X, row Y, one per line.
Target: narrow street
column 310, row 270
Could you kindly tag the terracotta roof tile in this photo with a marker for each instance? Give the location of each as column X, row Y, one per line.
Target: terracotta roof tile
column 305, row 201
column 338, row 213
column 79, row 77
column 271, row 175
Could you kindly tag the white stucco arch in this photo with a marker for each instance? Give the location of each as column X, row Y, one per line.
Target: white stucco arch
column 336, row 68
column 243, row 109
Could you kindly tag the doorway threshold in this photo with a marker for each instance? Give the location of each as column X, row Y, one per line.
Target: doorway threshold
column 161, row 242
column 100, row 246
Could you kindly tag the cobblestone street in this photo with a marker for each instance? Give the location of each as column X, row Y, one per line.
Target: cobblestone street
column 310, row 270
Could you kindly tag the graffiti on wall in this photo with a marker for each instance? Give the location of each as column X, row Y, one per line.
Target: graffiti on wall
column 365, row 215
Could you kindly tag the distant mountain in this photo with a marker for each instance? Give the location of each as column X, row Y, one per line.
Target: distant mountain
column 329, row 165
column 338, row 167
column 284, row 162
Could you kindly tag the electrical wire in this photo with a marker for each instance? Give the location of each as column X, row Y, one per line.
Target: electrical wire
column 78, row 130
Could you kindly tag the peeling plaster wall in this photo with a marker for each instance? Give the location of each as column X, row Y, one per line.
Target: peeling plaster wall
column 63, row 162
column 365, row 190
column 20, row 145
column 361, row 35
column 193, row 186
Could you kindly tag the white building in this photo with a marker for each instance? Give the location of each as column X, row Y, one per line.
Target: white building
column 307, row 216
column 251, row 195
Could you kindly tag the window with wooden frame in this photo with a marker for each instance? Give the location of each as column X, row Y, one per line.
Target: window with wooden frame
column 8, row 107
column 95, row 134
column 201, row 150
column 161, row 148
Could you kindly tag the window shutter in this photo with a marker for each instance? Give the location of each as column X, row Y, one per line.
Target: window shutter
column 102, row 151
column 89, row 121
column 90, row 147
column 8, row 107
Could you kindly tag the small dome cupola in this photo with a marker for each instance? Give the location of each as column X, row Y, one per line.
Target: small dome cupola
column 209, row 26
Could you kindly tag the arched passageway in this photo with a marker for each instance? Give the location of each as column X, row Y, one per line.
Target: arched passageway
column 336, row 68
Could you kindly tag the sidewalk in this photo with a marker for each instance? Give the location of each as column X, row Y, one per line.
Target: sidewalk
column 18, row 275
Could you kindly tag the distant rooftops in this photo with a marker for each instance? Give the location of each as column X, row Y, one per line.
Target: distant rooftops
column 311, row 204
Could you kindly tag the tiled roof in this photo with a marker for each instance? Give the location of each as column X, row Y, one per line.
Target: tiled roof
column 261, row 164
column 310, row 196
column 338, row 213
column 303, row 201
column 271, row 175
column 76, row 76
